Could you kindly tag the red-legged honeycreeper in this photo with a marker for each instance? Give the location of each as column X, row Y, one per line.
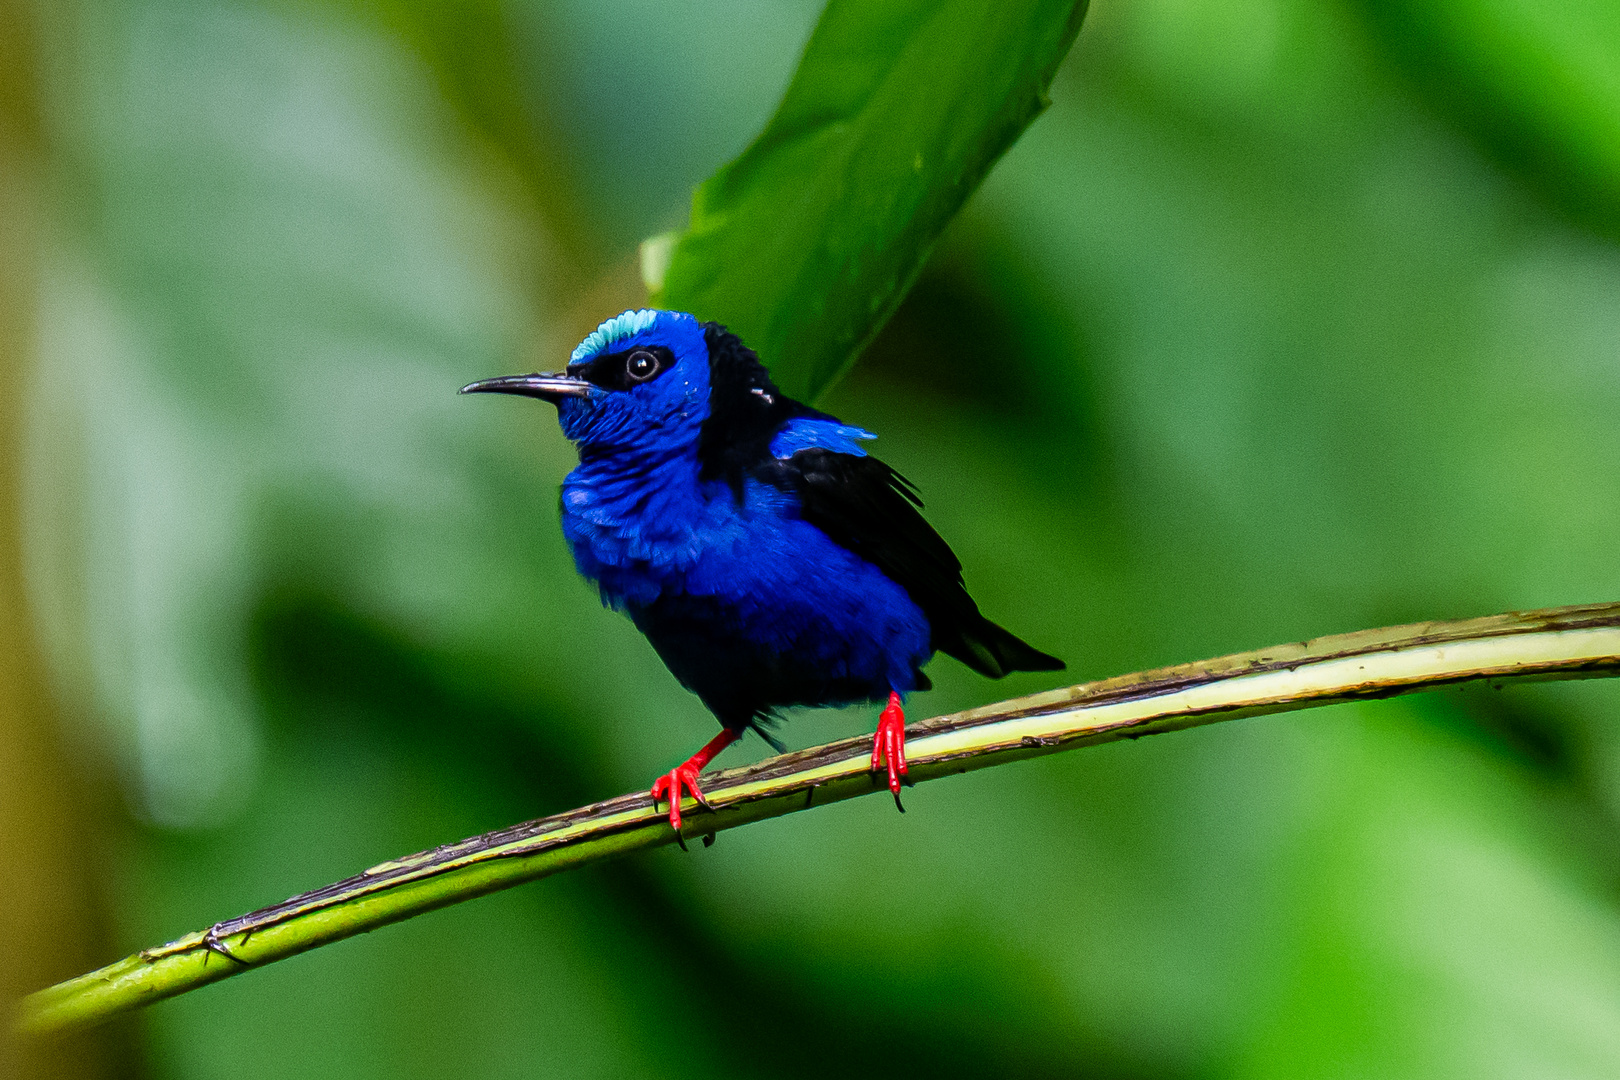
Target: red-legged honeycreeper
column 769, row 559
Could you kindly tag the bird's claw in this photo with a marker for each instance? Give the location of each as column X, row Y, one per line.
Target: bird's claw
column 682, row 781
column 216, row 944
column 889, row 746
column 675, row 786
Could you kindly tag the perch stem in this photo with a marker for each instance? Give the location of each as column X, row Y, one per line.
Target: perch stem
column 1559, row 643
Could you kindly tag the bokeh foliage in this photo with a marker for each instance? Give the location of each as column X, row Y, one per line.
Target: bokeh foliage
column 1254, row 335
column 1537, row 85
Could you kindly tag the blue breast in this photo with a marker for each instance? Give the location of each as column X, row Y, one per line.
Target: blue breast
column 750, row 606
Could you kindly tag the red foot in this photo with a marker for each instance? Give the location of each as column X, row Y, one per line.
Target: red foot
column 681, row 781
column 889, row 745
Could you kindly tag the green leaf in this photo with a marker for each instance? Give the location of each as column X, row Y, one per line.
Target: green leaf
column 805, row 244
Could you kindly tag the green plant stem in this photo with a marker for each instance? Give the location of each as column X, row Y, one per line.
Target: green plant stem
column 1560, row 643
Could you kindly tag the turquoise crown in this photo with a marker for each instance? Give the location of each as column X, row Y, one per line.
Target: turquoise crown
column 621, row 327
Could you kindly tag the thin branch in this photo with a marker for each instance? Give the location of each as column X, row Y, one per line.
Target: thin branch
column 1560, row 643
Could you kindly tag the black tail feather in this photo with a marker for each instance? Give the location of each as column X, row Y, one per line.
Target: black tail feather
column 993, row 651
column 762, row 720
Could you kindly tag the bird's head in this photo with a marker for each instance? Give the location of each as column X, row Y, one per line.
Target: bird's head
column 639, row 381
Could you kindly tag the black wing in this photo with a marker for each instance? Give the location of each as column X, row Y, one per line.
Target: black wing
column 859, row 502
column 867, row 507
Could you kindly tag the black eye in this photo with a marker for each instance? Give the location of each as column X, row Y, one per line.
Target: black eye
column 641, row 365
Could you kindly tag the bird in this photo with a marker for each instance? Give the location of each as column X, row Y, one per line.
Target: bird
column 769, row 559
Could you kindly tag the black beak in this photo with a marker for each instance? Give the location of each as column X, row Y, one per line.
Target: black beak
column 546, row 387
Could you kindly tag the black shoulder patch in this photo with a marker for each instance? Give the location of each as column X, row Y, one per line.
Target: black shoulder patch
column 746, row 410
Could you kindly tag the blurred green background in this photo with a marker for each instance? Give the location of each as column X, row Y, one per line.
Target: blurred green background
column 1289, row 317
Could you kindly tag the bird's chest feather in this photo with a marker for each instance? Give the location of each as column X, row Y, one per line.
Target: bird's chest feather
column 753, row 562
column 643, row 534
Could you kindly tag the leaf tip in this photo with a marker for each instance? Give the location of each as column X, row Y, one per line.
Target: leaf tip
column 656, row 253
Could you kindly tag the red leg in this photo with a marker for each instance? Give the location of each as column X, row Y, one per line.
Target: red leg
column 889, row 745
column 682, row 780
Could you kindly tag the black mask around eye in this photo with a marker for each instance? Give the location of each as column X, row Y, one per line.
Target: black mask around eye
column 625, row 370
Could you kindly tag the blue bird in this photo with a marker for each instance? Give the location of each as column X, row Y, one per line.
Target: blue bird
column 770, row 560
